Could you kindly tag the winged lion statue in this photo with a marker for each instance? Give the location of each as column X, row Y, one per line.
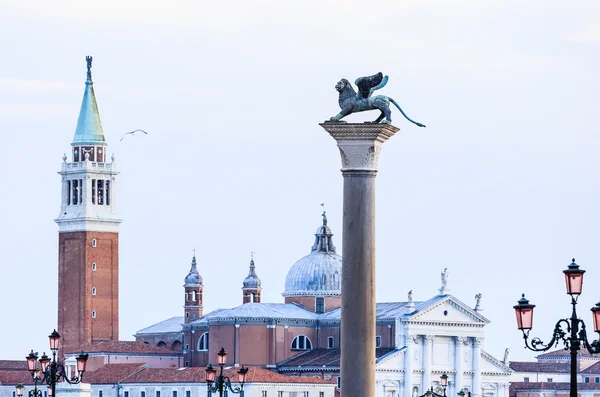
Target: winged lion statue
column 351, row 101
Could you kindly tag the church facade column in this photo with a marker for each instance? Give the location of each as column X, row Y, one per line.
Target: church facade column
column 459, row 362
column 427, row 347
column 409, row 341
column 477, row 365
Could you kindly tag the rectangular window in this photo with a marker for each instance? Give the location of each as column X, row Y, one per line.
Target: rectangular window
column 174, row 393
column 378, row 341
column 279, row 394
column 99, row 393
column 330, row 342
column 15, row 394
column 321, row 394
column 158, row 393
column 525, row 379
column 339, row 382
column 319, row 304
column 126, row 394
column 587, row 379
column 45, row 393
column 225, row 394
column 80, row 191
column 597, row 380
column 100, row 184
column 142, row 394
column 74, row 193
column 93, row 191
column 264, row 393
column 188, row 393
column 107, row 192
column 208, row 393
column 550, row 380
column 68, row 192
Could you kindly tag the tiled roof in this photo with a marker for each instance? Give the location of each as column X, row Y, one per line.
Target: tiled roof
column 592, row 369
column 322, row 357
column 112, row 373
column 550, row 386
column 173, row 324
column 128, row 347
column 261, row 310
column 534, row 366
column 13, row 364
column 13, row 377
column 137, row 373
column 562, row 353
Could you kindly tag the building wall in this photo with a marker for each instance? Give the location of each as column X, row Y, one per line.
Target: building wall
column 75, row 282
column 539, row 377
column 309, row 302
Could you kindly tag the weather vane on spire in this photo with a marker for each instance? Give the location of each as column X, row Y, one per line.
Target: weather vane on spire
column 88, row 60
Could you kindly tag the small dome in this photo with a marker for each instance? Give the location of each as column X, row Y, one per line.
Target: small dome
column 193, row 277
column 320, row 272
column 252, row 281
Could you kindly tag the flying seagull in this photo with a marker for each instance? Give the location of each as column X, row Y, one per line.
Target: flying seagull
column 133, row 132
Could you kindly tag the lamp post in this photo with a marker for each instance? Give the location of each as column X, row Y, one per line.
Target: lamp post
column 51, row 371
column 571, row 331
column 444, row 382
column 221, row 382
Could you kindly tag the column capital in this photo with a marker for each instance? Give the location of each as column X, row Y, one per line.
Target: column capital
column 477, row 342
column 411, row 339
column 428, row 339
column 359, row 143
column 461, row 340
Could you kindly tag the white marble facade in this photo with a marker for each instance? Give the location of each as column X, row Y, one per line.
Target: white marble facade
column 441, row 335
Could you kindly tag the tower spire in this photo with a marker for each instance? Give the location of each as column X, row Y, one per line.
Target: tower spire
column 89, row 128
column 252, row 286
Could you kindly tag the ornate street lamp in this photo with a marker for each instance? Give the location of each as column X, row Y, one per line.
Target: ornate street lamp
column 444, row 382
column 461, row 393
column 221, row 382
column 51, row 371
column 571, row 331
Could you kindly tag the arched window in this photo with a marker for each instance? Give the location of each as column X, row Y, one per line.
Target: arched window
column 94, row 243
column 94, row 266
column 93, row 314
column 161, row 344
column 203, row 342
column 330, row 342
column 93, row 290
column 176, row 346
column 301, row 342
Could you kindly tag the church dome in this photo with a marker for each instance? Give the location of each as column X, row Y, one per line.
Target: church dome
column 193, row 277
column 318, row 273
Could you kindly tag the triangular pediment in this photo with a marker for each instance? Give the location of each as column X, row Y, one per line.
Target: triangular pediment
column 490, row 364
column 446, row 309
column 392, row 361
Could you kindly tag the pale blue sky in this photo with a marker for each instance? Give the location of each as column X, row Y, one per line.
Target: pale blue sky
column 501, row 187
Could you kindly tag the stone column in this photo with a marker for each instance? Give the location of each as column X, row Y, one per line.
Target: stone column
column 359, row 146
column 427, row 342
column 409, row 341
column 459, row 362
column 476, row 365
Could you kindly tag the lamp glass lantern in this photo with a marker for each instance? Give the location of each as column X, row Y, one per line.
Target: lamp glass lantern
column 242, row 375
column 596, row 316
column 461, row 393
column 221, row 357
column 82, row 362
column 44, row 361
column 444, row 380
column 54, row 338
column 524, row 312
column 31, row 361
column 210, row 373
column 20, row 389
column 49, row 391
column 574, row 279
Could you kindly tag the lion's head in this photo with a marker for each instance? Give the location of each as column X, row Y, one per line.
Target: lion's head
column 343, row 83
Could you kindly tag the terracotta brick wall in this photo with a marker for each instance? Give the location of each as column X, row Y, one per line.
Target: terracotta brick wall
column 75, row 282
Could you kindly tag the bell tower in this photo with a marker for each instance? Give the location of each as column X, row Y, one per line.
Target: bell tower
column 251, row 287
column 193, row 294
column 88, row 234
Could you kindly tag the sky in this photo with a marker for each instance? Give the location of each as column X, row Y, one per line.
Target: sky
column 500, row 188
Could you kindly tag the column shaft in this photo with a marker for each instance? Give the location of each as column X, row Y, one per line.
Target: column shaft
column 358, row 284
column 476, row 366
column 459, row 360
column 427, row 342
column 408, row 366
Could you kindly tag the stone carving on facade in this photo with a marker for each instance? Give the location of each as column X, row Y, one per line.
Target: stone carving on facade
column 428, row 339
column 477, row 342
column 411, row 339
column 444, row 281
column 462, row 339
column 478, row 302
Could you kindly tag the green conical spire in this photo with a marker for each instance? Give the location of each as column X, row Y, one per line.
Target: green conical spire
column 89, row 128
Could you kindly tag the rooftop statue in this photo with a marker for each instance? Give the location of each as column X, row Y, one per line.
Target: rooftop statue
column 351, row 101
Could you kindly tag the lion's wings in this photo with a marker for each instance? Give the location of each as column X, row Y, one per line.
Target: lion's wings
column 366, row 85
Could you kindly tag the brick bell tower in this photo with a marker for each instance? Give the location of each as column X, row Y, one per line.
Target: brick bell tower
column 193, row 294
column 88, row 235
